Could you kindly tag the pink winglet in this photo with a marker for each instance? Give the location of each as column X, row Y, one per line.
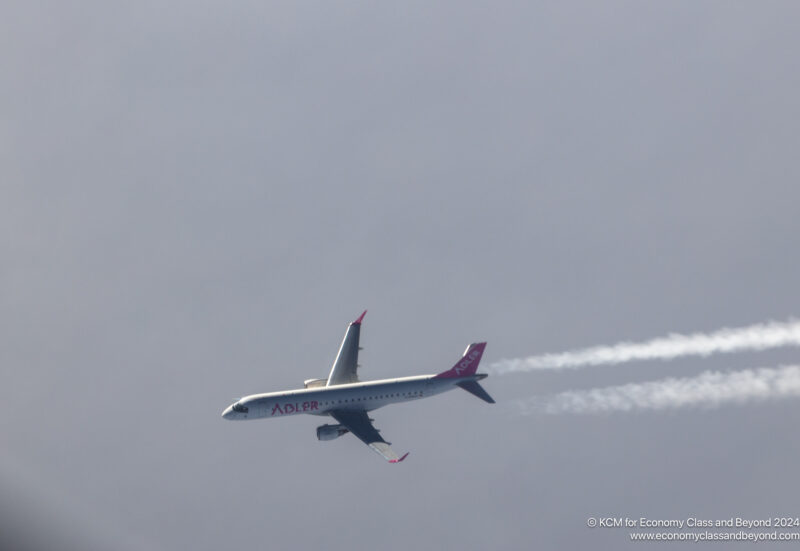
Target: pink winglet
column 399, row 460
column 361, row 317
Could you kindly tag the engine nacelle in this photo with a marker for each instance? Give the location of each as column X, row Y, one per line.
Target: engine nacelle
column 329, row 432
column 313, row 383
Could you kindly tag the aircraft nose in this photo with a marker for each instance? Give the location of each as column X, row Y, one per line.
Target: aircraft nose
column 228, row 413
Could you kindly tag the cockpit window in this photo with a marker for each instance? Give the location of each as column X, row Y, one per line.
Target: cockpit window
column 239, row 408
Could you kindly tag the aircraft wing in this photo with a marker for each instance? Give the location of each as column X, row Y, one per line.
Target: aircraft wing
column 360, row 424
column 346, row 363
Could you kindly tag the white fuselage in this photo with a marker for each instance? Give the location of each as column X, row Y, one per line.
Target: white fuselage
column 321, row 400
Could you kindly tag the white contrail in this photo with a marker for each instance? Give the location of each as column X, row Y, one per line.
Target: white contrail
column 710, row 389
column 761, row 336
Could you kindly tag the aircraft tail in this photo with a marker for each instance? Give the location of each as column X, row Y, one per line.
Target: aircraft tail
column 468, row 364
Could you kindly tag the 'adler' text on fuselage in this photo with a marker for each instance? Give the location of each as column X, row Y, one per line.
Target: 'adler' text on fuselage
column 296, row 407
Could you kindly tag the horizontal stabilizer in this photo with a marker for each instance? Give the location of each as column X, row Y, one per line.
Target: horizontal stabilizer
column 473, row 387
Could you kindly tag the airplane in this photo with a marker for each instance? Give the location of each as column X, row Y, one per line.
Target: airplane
column 348, row 400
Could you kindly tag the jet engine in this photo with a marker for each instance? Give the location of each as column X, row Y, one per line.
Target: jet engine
column 313, row 383
column 329, row 432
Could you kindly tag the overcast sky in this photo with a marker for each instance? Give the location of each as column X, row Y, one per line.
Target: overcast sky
column 197, row 197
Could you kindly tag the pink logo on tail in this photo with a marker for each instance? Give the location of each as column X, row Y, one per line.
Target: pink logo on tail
column 467, row 361
column 468, row 364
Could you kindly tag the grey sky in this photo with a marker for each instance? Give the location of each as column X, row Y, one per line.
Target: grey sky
column 195, row 199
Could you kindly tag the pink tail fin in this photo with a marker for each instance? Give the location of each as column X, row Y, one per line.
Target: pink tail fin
column 468, row 364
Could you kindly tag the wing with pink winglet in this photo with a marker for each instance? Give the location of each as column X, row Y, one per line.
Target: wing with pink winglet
column 345, row 366
column 359, row 423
